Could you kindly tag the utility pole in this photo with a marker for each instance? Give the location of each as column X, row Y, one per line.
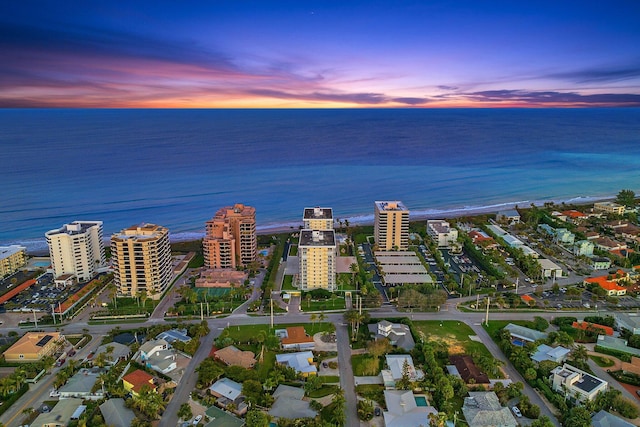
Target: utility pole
column 35, row 319
column 53, row 314
column 271, row 304
column 201, row 313
column 517, row 281
column 477, row 301
column 486, row 319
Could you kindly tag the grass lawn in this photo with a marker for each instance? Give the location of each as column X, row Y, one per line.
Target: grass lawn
column 454, row 334
column 603, row 362
column 346, row 282
column 287, row 284
column 268, row 362
column 247, row 332
column 323, row 391
column 293, row 250
column 360, row 365
column 496, row 325
column 320, row 305
column 374, row 392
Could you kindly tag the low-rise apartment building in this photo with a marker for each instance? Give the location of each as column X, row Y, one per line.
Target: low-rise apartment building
column 12, row 259
column 442, row 233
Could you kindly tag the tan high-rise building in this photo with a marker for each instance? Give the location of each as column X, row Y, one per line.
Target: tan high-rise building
column 317, row 257
column 230, row 240
column 12, row 259
column 318, row 219
column 391, row 226
column 141, row 258
column 77, row 249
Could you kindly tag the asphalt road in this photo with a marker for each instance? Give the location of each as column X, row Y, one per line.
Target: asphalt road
column 347, row 382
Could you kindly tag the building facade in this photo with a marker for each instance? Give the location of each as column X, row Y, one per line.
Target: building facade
column 141, row 258
column 230, row 237
column 77, row 249
column 391, row 225
column 609, row 208
column 12, row 259
column 441, row 232
column 317, row 257
column 576, row 384
column 318, row 219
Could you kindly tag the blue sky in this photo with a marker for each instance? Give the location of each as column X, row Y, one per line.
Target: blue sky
column 308, row 54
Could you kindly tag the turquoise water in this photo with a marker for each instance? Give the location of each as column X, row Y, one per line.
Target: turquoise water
column 421, row 400
column 41, row 263
column 264, row 252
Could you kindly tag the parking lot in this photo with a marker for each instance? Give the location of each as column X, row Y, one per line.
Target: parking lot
column 40, row 296
column 585, row 300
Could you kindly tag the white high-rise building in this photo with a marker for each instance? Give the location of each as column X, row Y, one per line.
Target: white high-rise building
column 77, row 249
column 141, row 258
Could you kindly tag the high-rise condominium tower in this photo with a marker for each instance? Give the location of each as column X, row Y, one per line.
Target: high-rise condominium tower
column 318, row 219
column 391, row 226
column 77, row 249
column 230, row 240
column 141, row 258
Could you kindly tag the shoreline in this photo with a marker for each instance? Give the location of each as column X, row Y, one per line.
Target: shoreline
column 37, row 247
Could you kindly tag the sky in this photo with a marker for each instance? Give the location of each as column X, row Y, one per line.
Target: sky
column 319, row 54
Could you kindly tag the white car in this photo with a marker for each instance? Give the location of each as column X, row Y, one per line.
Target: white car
column 517, row 412
column 196, row 420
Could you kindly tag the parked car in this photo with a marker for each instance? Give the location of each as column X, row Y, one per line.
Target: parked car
column 196, row 420
column 517, row 412
column 378, row 411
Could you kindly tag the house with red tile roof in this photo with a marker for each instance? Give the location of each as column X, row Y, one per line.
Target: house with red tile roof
column 480, row 238
column 528, row 299
column 610, row 283
column 296, row 338
column 593, row 327
column 136, row 380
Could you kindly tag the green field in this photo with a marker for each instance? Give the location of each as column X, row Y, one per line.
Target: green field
column 452, row 333
column 287, row 283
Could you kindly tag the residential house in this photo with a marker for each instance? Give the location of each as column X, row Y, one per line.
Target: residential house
column 441, row 233
column 510, row 216
column 232, row 356
column 600, row 263
column 521, row 335
column 576, row 384
column 482, row 409
column 229, row 392
column 61, row 414
column 398, row 334
column 480, row 238
column 403, row 410
column 33, row 346
column 156, row 354
column 114, row 352
column 605, row 419
column 593, row 327
column 220, row 418
column 296, row 338
column 174, row 335
column 81, row 385
column 573, row 216
column 117, row 413
column 583, row 248
column 301, row 361
column 607, row 244
column 555, row 354
column 134, row 381
column 628, row 321
column 468, row 370
column 396, row 365
column 288, row 403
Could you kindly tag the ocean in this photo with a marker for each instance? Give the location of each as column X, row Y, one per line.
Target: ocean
column 177, row 167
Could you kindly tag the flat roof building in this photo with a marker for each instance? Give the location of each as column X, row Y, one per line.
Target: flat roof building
column 141, row 258
column 391, row 225
column 77, row 249
column 230, row 237
column 441, row 232
column 609, row 208
column 318, row 218
column 317, row 257
column 576, row 384
column 12, row 259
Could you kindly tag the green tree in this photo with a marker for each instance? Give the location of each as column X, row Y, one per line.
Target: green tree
column 365, row 410
column 257, row 418
column 626, row 198
column 185, row 412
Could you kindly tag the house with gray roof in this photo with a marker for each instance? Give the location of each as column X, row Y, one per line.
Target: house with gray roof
column 81, row 384
column 118, row 352
column 227, row 392
column 61, row 414
column 605, row 419
column 398, row 334
column 616, row 344
column 174, row 335
column 628, row 321
column 482, row 409
column 403, row 410
column 395, row 368
column 157, row 355
column 521, row 335
column 544, row 352
column 289, row 403
column 115, row 411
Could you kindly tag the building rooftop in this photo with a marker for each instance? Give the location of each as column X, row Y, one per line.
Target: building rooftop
column 117, row 413
column 317, row 238
column 76, row 227
column 390, row 206
column 318, row 213
column 140, row 233
column 525, row 333
column 7, row 251
column 139, row 379
column 605, row 419
column 226, row 388
column 296, row 335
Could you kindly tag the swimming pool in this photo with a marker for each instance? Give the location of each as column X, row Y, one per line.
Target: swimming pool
column 264, row 252
column 40, row 263
column 518, row 342
column 420, row 400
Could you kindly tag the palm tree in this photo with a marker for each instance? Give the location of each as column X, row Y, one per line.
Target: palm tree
column 313, row 317
column 308, row 298
column 354, row 270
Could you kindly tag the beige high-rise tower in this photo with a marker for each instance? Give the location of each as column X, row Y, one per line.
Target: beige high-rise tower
column 318, row 219
column 141, row 258
column 391, row 226
column 230, row 240
column 317, row 258
column 77, row 249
